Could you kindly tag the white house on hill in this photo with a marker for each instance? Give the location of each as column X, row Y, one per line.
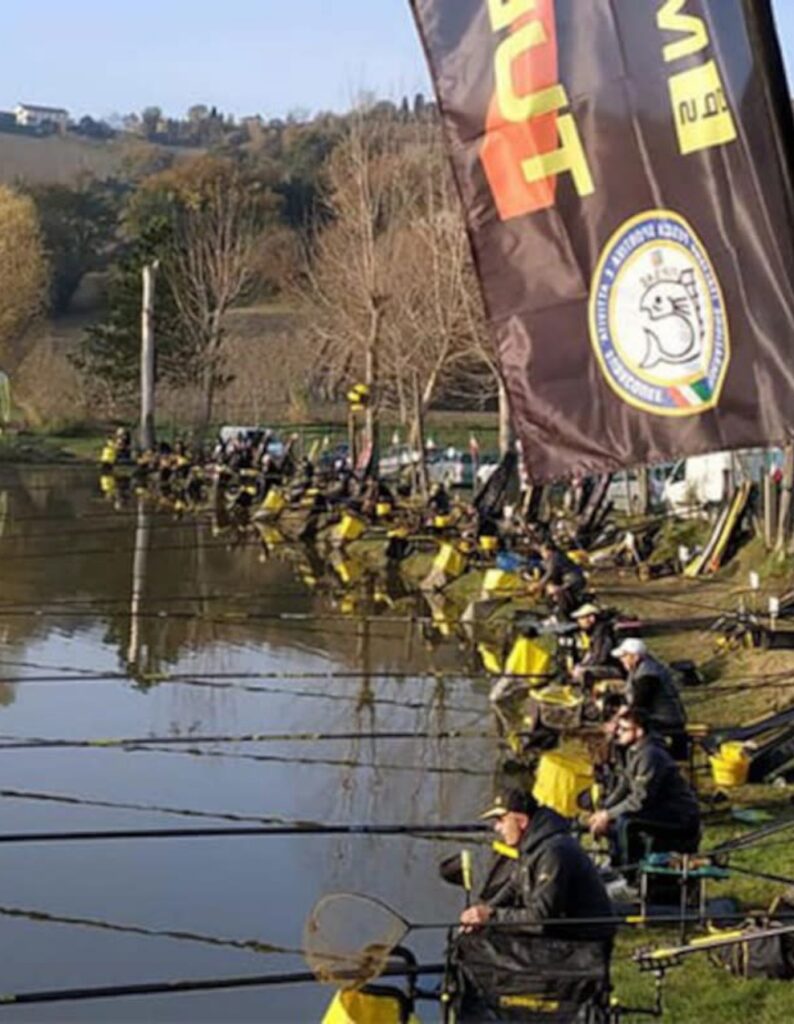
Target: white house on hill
column 30, row 116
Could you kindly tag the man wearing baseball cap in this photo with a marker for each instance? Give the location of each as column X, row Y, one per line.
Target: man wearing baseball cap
column 548, row 877
column 595, row 641
column 650, row 688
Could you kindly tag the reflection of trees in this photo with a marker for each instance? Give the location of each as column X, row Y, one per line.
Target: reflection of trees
column 65, row 548
column 8, row 694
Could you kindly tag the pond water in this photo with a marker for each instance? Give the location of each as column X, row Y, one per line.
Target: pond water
column 141, row 596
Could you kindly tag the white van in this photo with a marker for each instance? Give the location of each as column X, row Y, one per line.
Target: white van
column 704, row 480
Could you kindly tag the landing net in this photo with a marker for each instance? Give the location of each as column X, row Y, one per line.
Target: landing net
column 347, row 939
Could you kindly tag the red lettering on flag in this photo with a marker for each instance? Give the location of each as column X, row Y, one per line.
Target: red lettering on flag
column 507, row 143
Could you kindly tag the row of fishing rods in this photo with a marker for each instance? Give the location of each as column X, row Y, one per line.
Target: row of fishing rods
column 771, row 682
column 657, row 960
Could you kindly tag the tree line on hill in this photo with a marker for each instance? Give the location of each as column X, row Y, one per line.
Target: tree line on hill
column 351, row 222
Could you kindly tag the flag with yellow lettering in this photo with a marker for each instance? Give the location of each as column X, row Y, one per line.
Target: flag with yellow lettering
column 626, row 171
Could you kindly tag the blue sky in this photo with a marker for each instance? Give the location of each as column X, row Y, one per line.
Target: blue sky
column 246, row 56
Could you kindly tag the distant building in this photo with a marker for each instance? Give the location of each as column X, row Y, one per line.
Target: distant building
column 30, row 116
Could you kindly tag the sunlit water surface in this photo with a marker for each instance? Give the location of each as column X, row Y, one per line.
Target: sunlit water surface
column 95, row 588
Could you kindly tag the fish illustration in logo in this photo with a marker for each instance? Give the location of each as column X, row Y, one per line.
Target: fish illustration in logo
column 674, row 331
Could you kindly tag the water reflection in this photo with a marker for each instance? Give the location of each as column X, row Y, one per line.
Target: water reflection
column 191, row 620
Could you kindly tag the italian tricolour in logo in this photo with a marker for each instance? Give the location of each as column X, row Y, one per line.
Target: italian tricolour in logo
column 657, row 317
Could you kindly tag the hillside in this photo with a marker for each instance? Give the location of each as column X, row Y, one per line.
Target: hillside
column 56, row 159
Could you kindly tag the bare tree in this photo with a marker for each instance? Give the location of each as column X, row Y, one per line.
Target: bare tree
column 218, row 219
column 438, row 335
column 392, row 294
column 349, row 278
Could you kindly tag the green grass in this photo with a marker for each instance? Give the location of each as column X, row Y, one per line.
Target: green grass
column 31, row 449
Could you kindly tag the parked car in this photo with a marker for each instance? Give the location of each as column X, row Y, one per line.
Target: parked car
column 455, row 468
column 395, row 459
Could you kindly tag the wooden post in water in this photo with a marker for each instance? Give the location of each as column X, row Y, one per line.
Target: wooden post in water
column 147, row 437
column 784, row 520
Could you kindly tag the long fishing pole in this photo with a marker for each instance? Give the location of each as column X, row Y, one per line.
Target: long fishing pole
column 41, row 743
column 158, row 677
column 227, row 617
column 231, row 831
column 378, row 766
column 178, row 935
column 196, row 985
column 118, row 550
column 156, row 526
column 86, row 993
column 184, row 812
column 232, row 621
column 152, row 678
column 346, row 698
column 762, row 681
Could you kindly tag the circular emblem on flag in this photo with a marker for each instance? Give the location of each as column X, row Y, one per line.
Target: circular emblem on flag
column 658, row 321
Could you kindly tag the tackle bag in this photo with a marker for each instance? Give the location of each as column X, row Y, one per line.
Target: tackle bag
column 770, row 957
column 516, row 976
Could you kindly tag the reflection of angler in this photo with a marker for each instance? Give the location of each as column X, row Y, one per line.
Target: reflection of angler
column 139, row 572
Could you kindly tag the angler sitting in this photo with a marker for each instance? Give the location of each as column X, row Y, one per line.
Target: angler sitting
column 527, row 958
column 596, row 639
column 650, row 688
column 439, row 502
column 550, row 878
column 563, row 581
column 651, row 807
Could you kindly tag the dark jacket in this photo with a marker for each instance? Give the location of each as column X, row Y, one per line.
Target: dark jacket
column 652, row 787
column 651, row 687
column 553, row 878
column 562, row 571
column 598, row 645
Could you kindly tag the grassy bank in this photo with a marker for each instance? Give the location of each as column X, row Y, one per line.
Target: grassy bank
column 445, row 428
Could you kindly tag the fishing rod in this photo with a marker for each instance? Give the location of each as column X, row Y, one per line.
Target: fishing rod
column 81, row 801
column 659, row 599
column 231, row 831
column 287, row 691
column 230, row 621
column 750, row 838
column 42, row 743
column 352, row 675
column 230, row 616
column 119, row 550
column 86, row 993
column 323, row 761
column 663, row 959
column 266, row 947
column 119, row 527
column 347, row 698
column 179, row 935
column 196, row 985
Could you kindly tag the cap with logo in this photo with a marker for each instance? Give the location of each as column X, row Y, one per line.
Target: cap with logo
column 514, row 800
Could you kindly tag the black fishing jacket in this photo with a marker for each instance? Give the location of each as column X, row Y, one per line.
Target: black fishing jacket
column 552, row 878
column 597, row 646
column 650, row 687
column 651, row 787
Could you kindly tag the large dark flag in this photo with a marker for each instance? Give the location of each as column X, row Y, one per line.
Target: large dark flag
column 625, row 171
